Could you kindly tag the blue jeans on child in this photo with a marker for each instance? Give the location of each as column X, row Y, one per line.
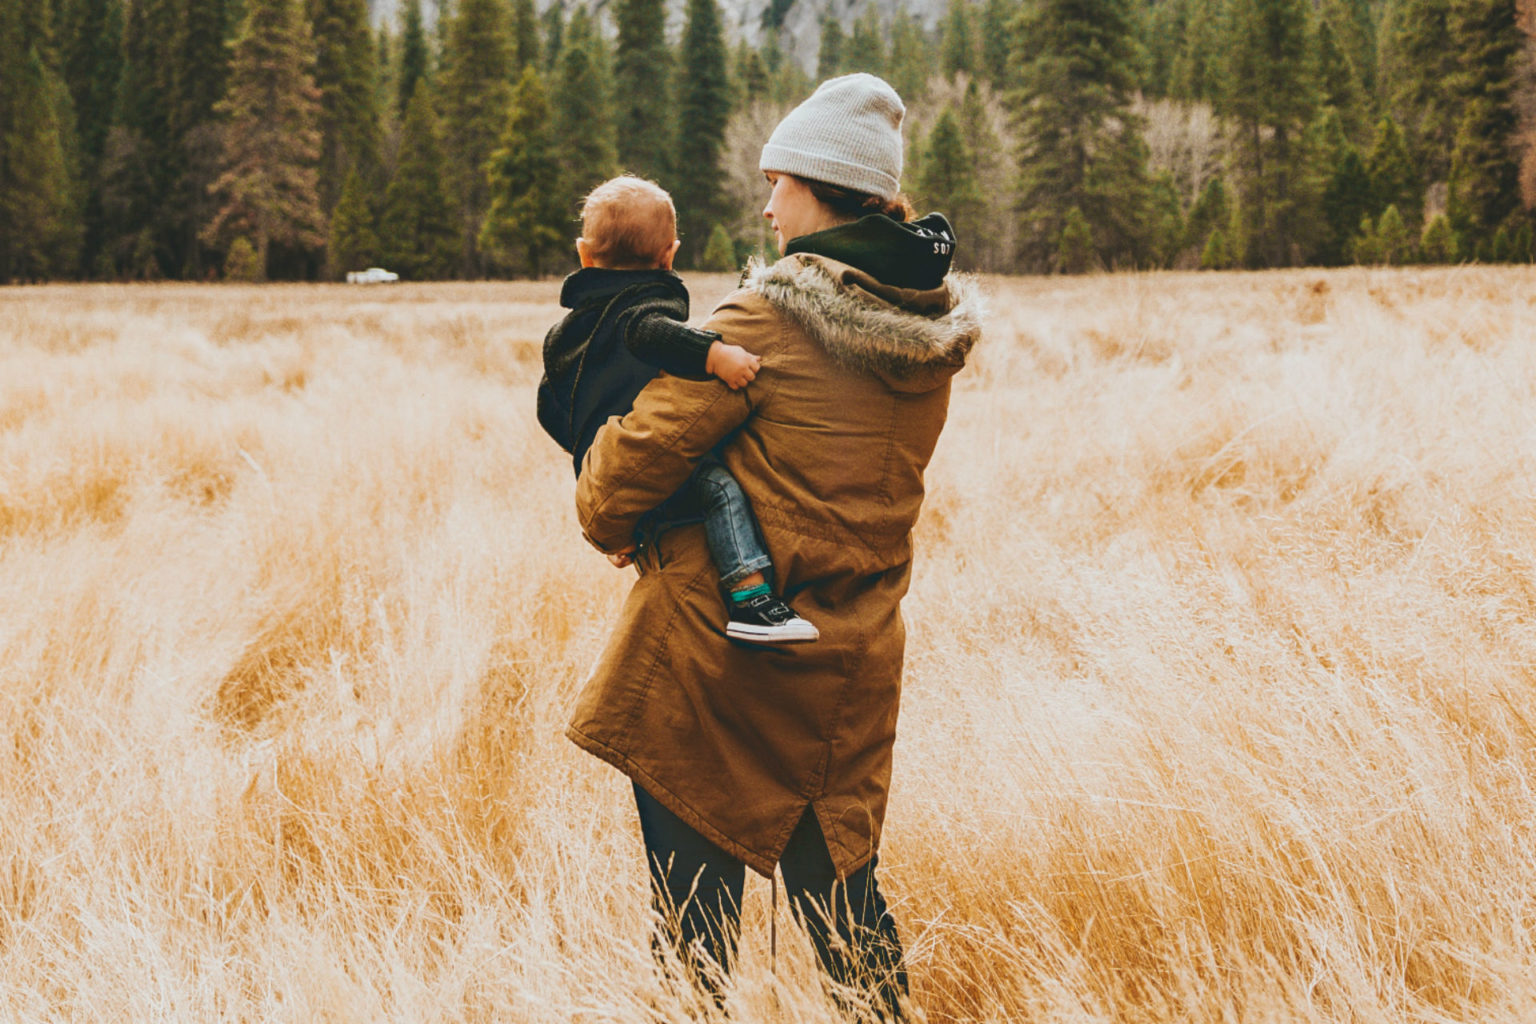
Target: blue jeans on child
column 729, row 525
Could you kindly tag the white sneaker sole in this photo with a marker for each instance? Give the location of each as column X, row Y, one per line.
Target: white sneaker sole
column 801, row 632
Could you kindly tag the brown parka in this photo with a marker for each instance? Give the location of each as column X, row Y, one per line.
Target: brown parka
column 829, row 443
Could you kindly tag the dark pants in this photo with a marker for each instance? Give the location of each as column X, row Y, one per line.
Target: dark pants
column 696, row 887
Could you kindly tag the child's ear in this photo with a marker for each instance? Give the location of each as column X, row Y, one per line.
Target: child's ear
column 584, row 252
column 670, row 254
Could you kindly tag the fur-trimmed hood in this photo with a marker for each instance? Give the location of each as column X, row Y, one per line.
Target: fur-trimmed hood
column 913, row 339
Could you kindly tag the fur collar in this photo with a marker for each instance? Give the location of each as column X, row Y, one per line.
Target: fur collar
column 914, row 340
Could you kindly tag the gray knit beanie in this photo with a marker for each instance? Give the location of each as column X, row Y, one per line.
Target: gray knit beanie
column 847, row 134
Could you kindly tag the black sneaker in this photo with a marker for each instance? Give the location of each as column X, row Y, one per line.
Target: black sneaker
column 765, row 619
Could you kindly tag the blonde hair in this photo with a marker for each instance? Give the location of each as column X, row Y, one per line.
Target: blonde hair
column 628, row 223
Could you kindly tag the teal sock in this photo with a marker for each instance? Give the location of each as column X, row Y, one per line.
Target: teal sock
column 738, row 596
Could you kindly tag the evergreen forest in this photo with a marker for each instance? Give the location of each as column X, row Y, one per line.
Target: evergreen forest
column 291, row 140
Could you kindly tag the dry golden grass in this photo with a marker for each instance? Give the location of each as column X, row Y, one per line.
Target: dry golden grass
column 1218, row 702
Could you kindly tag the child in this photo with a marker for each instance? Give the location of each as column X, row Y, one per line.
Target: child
column 626, row 322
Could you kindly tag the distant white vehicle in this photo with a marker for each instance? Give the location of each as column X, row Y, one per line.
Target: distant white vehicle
column 373, row 275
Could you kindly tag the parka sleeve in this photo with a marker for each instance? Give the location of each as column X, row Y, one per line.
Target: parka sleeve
column 636, row 462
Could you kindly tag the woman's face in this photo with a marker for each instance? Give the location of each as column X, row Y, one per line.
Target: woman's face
column 793, row 210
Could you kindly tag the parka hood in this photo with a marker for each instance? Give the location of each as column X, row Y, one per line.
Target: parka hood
column 913, row 339
column 906, row 253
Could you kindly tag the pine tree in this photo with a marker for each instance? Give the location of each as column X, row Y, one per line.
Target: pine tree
column 749, row 75
column 583, row 112
column 1270, row 98
column 552, row 25
column 584, row 131
column 91, row 43
column 866, row 47
column 989, row 243
column 415, row 58
column 958, row 52
column 642, row 73
column 1353, row 26
column 386, row 84
column 1074, row 247
column 1394, row 242
column 241, row 264
column 1499, row 249
column 527, row 221
column 1421, row 65
column 1348, row 196
column 1394, row 178
column 442, row 50
column 1485, row 168
column 1080, row 145
column 40, row 222
column 829, row 54
column 788, row 83
column 1167, row 24
column 996, row 64
column 1196, row 72
column 199, row 82
column 947, row 182
column 417, row 236
column 267, row 191
column 354, row 244
column 1339, row 84
column 704, row 105
column 142, row 162
column 1214, row 255
column 32, row 26
column 202, row 67
column 910, row 58
column 1523, row 243
column 345, row 72
column 1165, row 221
column 1212, row 212
column 1365, row 247
column 525, row 36
column 476, row 95
column 1438, row 244
column 720, row 253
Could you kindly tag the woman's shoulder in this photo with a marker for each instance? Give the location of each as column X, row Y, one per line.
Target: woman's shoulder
column 746, row 317
column 906, row 336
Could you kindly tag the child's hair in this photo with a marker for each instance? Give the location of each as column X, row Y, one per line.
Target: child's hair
column 846, row 202
column 628, row 223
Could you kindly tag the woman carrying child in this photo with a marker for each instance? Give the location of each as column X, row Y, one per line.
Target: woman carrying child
column 749, row 756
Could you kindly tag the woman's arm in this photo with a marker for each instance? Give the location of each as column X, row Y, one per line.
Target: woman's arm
column 637, row 462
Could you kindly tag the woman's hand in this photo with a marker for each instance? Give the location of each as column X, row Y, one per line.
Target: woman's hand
column 623, row 558
column 732, row 364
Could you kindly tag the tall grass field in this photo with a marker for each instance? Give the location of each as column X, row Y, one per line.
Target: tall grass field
column 1220, row 699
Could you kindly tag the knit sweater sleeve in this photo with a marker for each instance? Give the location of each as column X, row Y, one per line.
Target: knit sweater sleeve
column 655, row 334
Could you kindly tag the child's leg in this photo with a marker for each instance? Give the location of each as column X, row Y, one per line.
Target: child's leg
column 756, row 614
column 730, row 528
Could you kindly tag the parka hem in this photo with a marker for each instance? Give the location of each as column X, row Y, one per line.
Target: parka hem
column 763, row 865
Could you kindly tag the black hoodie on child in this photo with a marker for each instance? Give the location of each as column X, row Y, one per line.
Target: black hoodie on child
column 624, row 325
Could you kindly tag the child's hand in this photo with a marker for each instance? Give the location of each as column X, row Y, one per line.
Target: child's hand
column 732, row 364
column 623, row 558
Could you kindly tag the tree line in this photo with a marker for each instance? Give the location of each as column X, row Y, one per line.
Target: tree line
column 287, row 139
